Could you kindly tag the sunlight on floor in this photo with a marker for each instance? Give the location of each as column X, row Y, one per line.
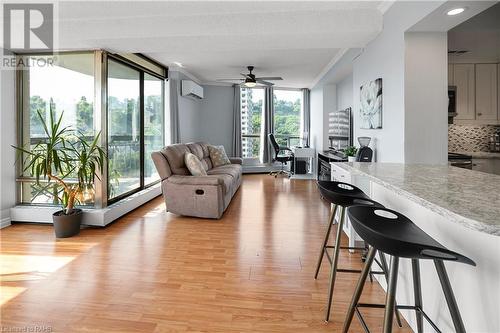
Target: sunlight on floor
column 24, row 268
column 7, row 293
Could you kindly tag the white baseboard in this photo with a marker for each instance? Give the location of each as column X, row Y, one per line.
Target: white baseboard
column 96, row 217
column 5, row 222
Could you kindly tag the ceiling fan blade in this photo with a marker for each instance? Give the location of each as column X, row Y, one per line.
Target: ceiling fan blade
column 265, row 82
column 269, row 78
column 244, row 75
column 238, row 79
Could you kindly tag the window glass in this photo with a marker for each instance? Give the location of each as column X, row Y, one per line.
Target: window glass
column 124, row 132
column 252, row 101
column 153, row 124
column 65, row 86
column 287, row 116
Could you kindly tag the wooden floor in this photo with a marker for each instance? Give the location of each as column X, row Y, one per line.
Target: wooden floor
column 151, row 271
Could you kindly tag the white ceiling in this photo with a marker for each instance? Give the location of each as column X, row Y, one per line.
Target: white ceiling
column 295, row 39
column 480, row 35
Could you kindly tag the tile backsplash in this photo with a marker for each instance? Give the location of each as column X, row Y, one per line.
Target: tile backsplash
column 470, row 138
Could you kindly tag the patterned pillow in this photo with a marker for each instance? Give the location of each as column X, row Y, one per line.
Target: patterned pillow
column 194, row 165
column 218, row 156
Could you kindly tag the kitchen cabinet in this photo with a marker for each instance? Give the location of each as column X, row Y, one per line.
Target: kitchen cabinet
column 486, row 91
column 464, row 79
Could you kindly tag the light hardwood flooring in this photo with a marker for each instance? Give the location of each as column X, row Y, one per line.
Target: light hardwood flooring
column 152, row 271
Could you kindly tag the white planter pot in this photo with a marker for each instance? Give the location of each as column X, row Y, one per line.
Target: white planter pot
column 351, row 158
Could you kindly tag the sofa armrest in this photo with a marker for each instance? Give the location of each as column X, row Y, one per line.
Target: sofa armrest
column 194, row 180
column 236, row 160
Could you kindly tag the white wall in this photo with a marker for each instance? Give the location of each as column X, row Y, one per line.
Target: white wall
column 189, row 112
column 426, row 97
column 345, row 93
column 216, row 116
column 317, row 119
column 384, row 58
column 7, row 138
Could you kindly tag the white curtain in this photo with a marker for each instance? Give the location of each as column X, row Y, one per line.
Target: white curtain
column 236, row 148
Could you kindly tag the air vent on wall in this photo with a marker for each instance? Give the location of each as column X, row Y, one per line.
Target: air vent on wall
column 457, row 52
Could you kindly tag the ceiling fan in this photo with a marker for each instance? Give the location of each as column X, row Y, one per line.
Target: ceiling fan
column 250, row 80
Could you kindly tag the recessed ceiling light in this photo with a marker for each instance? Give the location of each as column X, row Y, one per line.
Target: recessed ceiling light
column 455, row 11
column 178, row 64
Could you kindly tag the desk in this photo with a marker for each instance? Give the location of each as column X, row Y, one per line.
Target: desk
column 304, row 153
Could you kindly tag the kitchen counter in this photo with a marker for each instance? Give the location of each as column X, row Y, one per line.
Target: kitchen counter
column 467, row 197
column 459, row 208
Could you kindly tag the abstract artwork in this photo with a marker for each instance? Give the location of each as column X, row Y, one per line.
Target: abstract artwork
column 371, row 105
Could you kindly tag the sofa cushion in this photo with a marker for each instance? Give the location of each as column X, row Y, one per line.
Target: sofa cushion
column 218, row 156
column 194, row 165
column 233, row 170
column 227, row 182
column 200, row 149
column 175, row 156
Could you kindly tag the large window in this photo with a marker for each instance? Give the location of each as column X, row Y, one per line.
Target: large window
column 287, row 119
column 131, row 119
column 252, row 106
column 135, row 127
column 287, row 116
column 65, row 86
column 124, row 129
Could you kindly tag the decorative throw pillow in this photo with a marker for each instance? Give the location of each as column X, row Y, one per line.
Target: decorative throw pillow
column 218, row 156
column 194, row 165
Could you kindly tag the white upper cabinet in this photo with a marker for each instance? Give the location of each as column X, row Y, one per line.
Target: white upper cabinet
column 464, row 80
column 486, row 92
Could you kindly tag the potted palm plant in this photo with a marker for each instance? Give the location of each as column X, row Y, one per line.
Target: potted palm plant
column 68, row 160
column 350, row 152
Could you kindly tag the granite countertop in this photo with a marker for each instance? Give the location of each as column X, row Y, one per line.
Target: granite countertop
column 479, row 154
column 467, row 197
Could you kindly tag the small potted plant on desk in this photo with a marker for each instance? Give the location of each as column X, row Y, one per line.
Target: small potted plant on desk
column 350, row 152
column 60, row 159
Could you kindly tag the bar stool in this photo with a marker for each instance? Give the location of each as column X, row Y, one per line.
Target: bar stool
column 343, row 195
column 390, row 232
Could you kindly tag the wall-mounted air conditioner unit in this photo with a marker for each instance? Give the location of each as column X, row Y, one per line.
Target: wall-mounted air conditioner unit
column 191, row 89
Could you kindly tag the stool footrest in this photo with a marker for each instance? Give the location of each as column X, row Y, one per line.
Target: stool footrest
column 399, row 307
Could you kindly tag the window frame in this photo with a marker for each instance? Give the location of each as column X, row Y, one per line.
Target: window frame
column 141, row 70
column 101, row 57
column 301, row 120
column 254, row 160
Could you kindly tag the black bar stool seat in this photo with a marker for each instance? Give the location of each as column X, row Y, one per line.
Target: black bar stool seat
column 388, row 231
column 343, row 195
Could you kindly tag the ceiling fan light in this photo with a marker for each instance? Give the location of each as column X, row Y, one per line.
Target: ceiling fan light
column 250, row 84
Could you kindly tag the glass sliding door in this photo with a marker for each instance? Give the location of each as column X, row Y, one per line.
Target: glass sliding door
column 154, row 130
column 287, row 116
column 124, row 129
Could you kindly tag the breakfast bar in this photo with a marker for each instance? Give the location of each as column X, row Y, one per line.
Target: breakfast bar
column 459, row 208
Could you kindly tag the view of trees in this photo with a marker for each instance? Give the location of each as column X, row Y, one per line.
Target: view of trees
column 286, row 119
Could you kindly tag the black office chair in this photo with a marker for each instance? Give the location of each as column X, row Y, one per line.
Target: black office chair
column 283, row 158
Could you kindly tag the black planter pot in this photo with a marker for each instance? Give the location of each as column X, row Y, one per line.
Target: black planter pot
column 67, row 225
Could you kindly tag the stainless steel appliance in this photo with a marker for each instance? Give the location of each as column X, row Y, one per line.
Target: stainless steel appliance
column 340, row 129
column 460, row 160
